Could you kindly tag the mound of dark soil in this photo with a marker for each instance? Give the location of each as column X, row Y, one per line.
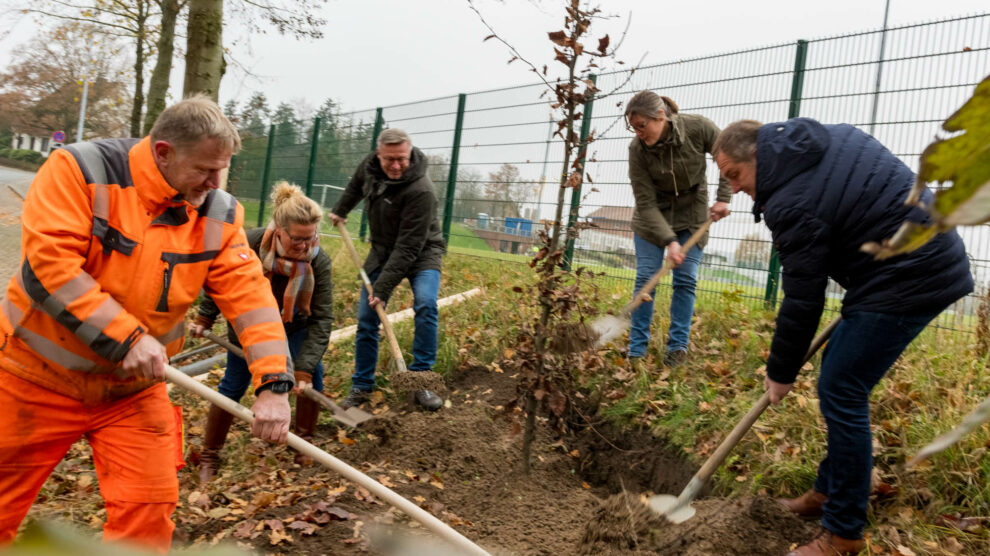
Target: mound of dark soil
column 624, row 524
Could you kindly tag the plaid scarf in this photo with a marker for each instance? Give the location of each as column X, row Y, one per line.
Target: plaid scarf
column 299, row 290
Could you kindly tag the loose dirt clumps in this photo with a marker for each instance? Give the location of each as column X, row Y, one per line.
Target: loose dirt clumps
column 410, row 381
column 624, row 524
column 462, row 464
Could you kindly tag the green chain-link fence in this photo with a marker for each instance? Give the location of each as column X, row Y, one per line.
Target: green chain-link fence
column 496, row 166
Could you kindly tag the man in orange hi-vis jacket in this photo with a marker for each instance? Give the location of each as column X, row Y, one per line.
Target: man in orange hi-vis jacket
column 118, row 238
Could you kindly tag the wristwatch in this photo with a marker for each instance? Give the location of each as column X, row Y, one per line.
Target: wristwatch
column 277, row 387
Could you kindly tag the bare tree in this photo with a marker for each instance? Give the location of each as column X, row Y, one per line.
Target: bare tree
column 40, row 89
column 545, row 377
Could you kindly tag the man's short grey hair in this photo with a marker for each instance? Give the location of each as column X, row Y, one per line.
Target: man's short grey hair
column 393, row 136
column 189, row 121
column 738, row 141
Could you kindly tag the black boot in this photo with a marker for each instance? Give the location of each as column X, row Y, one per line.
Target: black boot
column 217, row 425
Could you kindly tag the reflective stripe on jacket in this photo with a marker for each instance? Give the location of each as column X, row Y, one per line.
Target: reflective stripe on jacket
column 110, row 253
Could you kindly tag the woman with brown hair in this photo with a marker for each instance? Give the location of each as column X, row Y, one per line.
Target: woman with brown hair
column 667, row 170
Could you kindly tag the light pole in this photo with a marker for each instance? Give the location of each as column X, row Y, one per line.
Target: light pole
column 82, row 109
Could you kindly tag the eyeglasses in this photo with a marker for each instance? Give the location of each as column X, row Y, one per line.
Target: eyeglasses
column 300, row 240
column 389, row 160
column 642, row 125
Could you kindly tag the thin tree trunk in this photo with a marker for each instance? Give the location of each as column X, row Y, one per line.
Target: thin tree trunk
column 138, row 105
column 158, row 86
column 529, row 432
column 204, row 48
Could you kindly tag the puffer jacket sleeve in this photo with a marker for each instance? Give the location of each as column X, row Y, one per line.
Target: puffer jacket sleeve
column 238, row 286
column 649, row 222
column 417, row 216
column 57, row 223
column 802, row 243
column 320, row 322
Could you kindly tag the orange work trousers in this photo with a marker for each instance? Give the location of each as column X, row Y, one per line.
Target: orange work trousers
column 134, row 452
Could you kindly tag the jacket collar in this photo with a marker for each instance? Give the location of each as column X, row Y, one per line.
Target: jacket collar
column 153, row 190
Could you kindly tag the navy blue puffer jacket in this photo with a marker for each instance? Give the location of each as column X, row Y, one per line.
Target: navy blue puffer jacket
column 824, row 191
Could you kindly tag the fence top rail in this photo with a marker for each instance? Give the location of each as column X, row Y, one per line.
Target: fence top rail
column 712, row 56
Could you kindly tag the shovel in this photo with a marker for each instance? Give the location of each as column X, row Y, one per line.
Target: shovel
column 678, row 509
column 352, row 416
column 403, row 378
column 609, row 327
column 436, row 526
column 400, row 362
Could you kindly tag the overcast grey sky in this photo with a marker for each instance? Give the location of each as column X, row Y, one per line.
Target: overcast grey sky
column 383, row 52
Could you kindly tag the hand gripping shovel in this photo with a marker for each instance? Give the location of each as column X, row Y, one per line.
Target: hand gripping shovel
column 678, row 509
column 610, row 327
column 352, row 416
column 426, row 519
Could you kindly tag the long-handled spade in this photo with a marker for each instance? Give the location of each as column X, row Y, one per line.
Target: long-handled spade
column 609, row 327
column 426, row 519
column 352, row 416
column 418, row 380
column 677, row 509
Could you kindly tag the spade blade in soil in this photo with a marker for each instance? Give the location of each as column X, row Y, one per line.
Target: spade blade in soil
column 671, row 508
column 608, row 328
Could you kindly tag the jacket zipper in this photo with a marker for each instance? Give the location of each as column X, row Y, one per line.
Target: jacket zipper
column 166, row 283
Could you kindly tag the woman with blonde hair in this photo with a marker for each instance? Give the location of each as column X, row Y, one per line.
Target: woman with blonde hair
column 299, row 273
column 667, row 170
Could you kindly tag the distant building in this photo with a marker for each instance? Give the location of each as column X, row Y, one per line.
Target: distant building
column 612, row 231
column 43, row 145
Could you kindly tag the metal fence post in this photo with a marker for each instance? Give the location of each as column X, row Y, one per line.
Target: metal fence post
column 793, row 110
column 448, row 205
column 379, row 123
column 312, row 158
column 572, row 217
column 264, row 175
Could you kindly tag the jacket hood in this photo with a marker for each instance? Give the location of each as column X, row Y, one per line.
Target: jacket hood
column 784, row 150
column 415, row 171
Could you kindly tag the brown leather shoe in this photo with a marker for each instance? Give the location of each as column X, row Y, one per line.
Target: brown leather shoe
column 217, row 425
column 830, row 544
column 808, row 505
column 307, row 414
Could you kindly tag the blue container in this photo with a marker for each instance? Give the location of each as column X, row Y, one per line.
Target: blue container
column 519, row 226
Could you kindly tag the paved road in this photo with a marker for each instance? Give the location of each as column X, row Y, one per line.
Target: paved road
column 10, row 220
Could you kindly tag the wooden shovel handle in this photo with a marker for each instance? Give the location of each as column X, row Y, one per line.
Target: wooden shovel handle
column 667, row 266
column 747, row 421
column 438, row 527
column 393, row 343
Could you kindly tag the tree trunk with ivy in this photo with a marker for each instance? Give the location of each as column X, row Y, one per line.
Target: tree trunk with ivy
column 160, row 77
column 204, row 48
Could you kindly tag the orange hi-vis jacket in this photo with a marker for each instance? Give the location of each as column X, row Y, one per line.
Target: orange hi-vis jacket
column 110, row 253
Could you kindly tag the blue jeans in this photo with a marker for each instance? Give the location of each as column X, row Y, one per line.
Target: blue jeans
column 860, row 351
column 425, row 286
column 237, row 377
column 649, row 259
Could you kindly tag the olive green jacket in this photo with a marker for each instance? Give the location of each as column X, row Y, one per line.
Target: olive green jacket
column 669, row 182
